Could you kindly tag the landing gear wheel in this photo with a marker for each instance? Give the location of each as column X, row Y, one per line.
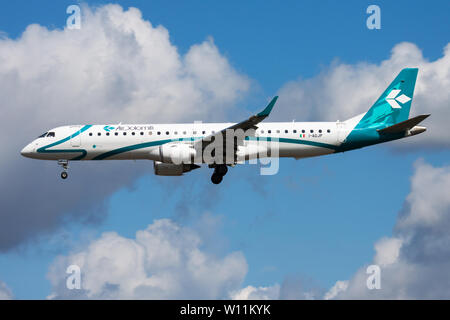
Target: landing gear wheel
column 65, row 165
column 216, row 178
column 221, row 169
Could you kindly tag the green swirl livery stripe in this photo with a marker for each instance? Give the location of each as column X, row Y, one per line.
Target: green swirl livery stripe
column 73, row 135
column 139, row 146
column 296, row 141
column 161, row 142
column 130, row 148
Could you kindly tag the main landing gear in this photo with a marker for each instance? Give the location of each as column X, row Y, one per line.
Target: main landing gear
column 219, row 172
column 65, row 165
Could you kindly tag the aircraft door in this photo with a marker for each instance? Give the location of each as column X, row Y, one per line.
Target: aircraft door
column 342, row 132
column 75, row 138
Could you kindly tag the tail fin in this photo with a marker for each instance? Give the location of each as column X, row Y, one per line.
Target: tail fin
column 394, row 104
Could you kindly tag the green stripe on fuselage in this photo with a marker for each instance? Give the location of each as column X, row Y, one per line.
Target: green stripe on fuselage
column 130, row 148
column 73, row 135
column 296, row 141
column 161, row 142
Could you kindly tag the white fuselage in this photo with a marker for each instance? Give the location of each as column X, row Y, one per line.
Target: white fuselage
column 141, row 141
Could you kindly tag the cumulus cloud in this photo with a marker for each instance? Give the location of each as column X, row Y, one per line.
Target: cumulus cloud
column 338, row 287
column 164, row 261
column 5, row 292
column 257, row 293
column 345, row 90
column 415, row 261
column 291, row 288
column 387, row 251
column 168, row 261
column 117, row 68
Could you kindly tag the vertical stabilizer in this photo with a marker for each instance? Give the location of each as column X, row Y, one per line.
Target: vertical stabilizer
column 394, row 104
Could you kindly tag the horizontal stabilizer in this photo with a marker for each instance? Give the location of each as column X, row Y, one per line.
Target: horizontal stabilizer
column 404, row 125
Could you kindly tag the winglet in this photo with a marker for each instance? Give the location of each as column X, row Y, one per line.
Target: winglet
column 268, row 109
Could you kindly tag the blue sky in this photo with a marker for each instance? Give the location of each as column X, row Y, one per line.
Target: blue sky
column 318, row 218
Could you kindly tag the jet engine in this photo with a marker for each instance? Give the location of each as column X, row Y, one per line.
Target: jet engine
column 169, row 169
column 177, row 153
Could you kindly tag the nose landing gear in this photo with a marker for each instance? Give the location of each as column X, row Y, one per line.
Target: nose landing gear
column 219, row 172
column 65, row 165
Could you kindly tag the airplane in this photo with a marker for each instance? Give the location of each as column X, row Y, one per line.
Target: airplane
column 178, row 148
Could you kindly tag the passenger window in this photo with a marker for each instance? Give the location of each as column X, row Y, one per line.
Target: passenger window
column 142, row 133
column 116, row 133
column 328, row 130
column 194, row 132
column 133, row 133
column 286, row 131
column 167, row 133
column 295, row 131
column 320, row 130
column 124, row 133
column 107, row 133
column 99, row 134
column 90, row 133
column 278, row 131
column 175, row 132
column 203, row 132
column 262, row 131
column 269, row 131
column 184, row 132
column 159, row 133
column 312, row 131
column 150, row 133
column 303, row 131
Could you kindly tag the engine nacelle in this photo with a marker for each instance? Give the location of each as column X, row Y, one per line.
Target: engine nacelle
column 177, row 153
column 169, row 169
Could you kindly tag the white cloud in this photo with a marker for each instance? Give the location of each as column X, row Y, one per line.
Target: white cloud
column 339, row 287
column 291, row 288
column 387, row 251
column 167, row 261
column 117, row 67
column 257, row 293
column 343, row 90
column 164, row 261
column 415, row 261
column 428, row 200
column 5, row 292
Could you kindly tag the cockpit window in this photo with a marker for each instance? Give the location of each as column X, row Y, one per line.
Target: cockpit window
column 51, row 134
column 43, row 135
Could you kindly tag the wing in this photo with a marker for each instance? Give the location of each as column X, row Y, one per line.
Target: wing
column 245, row 128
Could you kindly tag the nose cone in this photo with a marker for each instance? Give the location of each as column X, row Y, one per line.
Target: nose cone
column 27, row 151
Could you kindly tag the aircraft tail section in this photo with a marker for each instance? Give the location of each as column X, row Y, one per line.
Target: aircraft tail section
column 394, row 104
